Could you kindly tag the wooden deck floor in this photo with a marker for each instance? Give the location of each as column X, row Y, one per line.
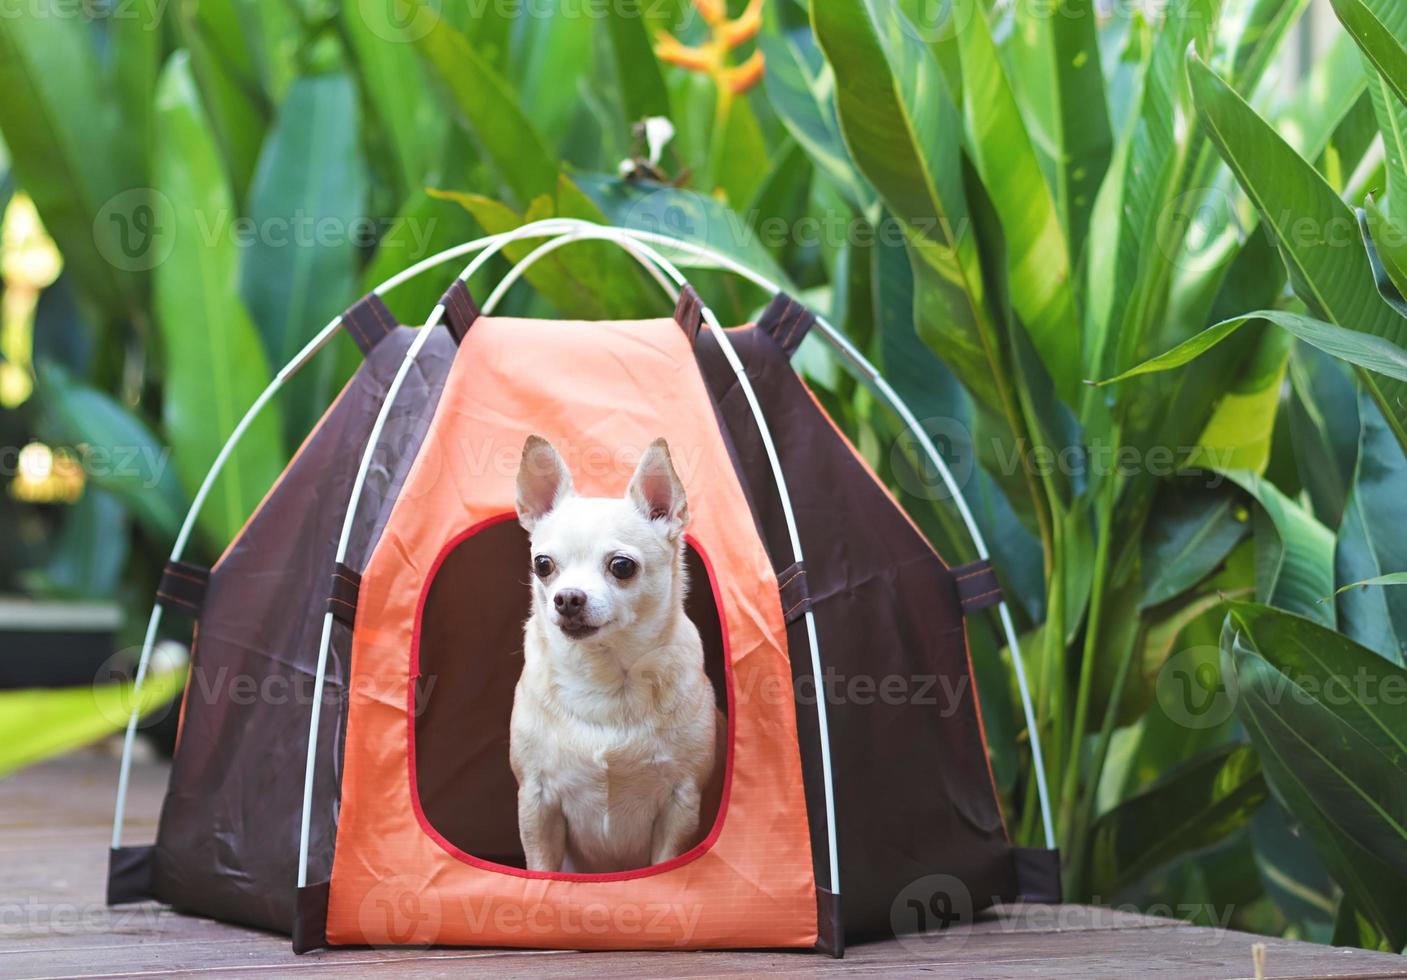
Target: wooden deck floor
column 54, row 826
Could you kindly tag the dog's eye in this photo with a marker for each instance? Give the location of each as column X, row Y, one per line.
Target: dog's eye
column 543, row 566
column 623, row 567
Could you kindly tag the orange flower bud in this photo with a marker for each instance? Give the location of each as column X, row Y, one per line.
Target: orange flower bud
column 746, row 75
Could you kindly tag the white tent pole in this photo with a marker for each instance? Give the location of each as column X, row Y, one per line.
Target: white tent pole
column 490, row 249
column 745, row 384
column 863, row 368
column 294, row 365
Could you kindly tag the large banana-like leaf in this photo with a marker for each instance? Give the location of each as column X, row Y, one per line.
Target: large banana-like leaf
column 1373, row 541
column 62, row 123
column 1039, row 267
column 1239, row 433
column 1362, row 350
column 132, row 465
column 1130, row 267
column 1322, row 406
column 1056, row 68
column 1336, row 282
column 424, row 227
column 904, row 131
column 1294, row 552
column 1333, row 745
column 488, row 107
column 214, row 365
column 1380, row 28
column 595, row 280
column 683, row 214
column 231, row 90
column 638, row 74
column 39, row 725
column 552, row 59
column 306, row 203
column 393, row 86
column 1189, row 536
column 801, row 89
column 1194, row 806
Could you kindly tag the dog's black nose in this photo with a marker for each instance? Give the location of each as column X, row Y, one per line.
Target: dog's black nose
column 570, row 602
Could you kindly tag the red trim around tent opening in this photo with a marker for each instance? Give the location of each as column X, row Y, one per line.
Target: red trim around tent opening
column 692, row 854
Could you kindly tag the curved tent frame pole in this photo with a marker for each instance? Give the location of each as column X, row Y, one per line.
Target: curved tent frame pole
column 581, row 231
column 297, row 363
column 860, row 366
column 851, row 355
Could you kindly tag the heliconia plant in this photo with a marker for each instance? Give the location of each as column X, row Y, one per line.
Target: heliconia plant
column 1140, row 279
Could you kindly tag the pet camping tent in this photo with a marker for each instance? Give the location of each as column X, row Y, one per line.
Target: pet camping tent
column 341, row 771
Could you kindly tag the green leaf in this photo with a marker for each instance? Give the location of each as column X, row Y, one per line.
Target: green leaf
column 89, row 554
column 393, row 86
column 299, row 269
column 1395, row 578
column 39, row 725
column 1335, row 282
column 123, row 455
column 1238, row 435
column 1333, row 741
column 1038, row 265
column 594, row 280
column 1294, row 552
column 1060, row 81
column 1386, row 242
column 1189, row 536
column 552, row 59
column 1130, row 268
column 1380, row 28
column 1372, row 543
column 901, row 126
column 740, row 155
column 1324, row 426
column 1193, row 807
column 63, row 127
column 637, row 70
column 231, row 90
column 801, row 88
column 1363, row 350
column 424, row 227
column 685, row 215
column 488, row 108
column 214, row 366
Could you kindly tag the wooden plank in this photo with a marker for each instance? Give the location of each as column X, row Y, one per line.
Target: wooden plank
column 54, row 826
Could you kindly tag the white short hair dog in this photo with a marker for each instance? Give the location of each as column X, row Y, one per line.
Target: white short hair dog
column 614, row 723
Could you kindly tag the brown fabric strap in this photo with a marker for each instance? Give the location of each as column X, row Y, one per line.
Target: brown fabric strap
column 129, row 874
column 786, row 322
column 460, row 310
column 368, row 321
column 688, row 312
column 342, row 597
column 977, row 585
column 796, row 595
column 1037, row 875
column 310, row 917
column 830, row 924
column 182, row 588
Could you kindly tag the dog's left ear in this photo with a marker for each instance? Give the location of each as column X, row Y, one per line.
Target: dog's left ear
column 656, row 490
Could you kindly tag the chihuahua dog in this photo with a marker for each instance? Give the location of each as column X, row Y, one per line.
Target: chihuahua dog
column 614, row 723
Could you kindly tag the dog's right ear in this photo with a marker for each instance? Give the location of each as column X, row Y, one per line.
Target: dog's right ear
column 543, row 482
